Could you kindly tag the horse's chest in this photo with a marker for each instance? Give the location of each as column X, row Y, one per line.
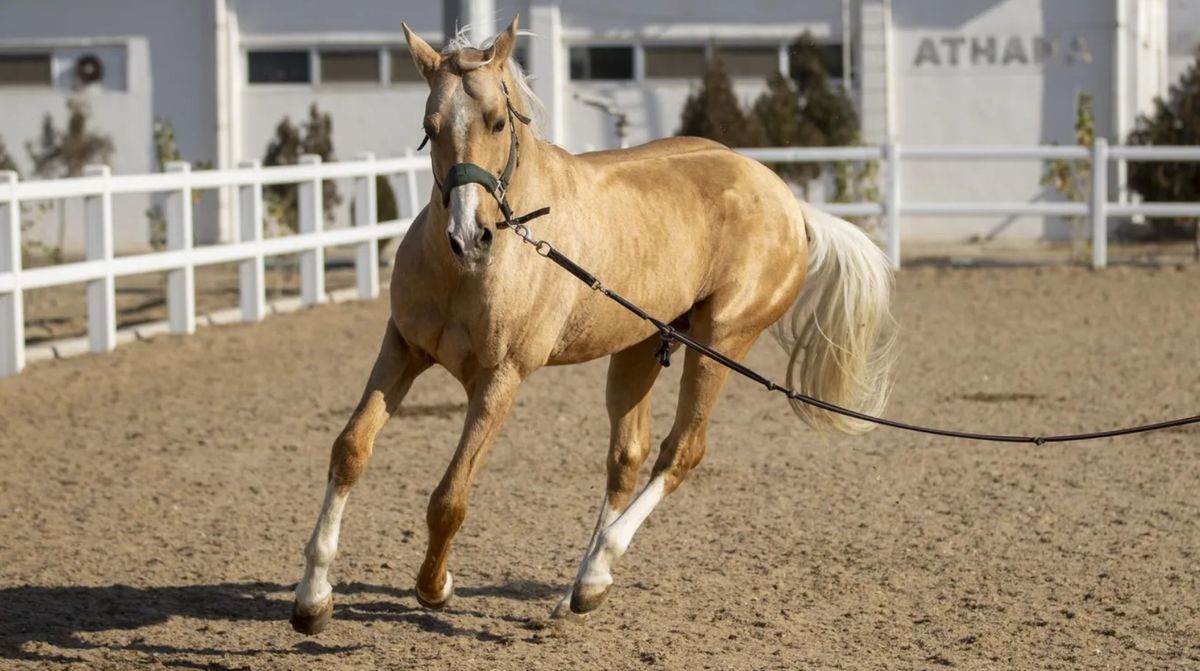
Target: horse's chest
column 459, row 337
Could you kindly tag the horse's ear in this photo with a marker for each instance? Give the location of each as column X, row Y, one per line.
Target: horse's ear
column 426, row 57
column 502, row 46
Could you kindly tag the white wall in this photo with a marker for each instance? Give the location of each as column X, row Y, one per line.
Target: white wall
column 952, row 96
column 169, row 61
column 654, row 106
column 1183, row 36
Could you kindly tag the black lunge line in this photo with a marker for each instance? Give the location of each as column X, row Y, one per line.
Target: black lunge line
column 671, row 334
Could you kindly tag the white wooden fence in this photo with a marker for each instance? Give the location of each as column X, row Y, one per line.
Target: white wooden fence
column 1097, row 209
column 100, row 268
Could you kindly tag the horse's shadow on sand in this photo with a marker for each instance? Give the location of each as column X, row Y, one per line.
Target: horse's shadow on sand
column 36, row 619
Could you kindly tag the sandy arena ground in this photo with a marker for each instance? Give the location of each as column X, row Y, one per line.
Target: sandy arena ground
column 154, row 503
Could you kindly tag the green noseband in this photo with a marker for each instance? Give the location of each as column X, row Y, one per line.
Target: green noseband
column 467, row 173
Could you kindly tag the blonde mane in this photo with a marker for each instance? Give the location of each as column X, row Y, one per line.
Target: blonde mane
column 527, row 99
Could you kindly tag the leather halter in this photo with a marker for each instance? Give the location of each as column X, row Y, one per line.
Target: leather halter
column 461, row 174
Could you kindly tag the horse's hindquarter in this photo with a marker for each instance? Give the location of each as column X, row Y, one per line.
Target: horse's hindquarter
column 668, row 224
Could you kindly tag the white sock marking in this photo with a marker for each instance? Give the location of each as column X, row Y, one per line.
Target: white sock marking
column 614, row 540
column 314, row 588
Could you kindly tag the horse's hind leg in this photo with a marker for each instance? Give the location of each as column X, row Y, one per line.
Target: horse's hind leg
column 631, row 374
column 395, row 369
column 681, row 451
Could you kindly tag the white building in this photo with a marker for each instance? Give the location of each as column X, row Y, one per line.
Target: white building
column 225, row 72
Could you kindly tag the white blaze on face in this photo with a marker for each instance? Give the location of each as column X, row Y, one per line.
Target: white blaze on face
column 464, row 202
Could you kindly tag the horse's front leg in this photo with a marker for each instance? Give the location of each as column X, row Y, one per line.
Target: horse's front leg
column 395, row 369
column 491, row 393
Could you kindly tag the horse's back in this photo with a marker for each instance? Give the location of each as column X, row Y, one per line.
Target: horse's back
column 656, row 149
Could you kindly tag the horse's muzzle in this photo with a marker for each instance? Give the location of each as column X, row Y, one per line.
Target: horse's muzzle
column 471, row 246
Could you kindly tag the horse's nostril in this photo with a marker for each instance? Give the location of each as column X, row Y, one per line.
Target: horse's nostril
column 455, row 245
column 486, row 238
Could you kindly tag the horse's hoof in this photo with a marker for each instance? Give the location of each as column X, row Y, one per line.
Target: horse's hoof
column 585, row 599
column 312, row 622
column 440, row 602
column 563, row 612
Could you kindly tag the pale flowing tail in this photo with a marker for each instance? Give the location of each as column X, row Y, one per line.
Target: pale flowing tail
column 840, row 333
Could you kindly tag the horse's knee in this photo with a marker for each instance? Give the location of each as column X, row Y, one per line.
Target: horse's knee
column 623, row 466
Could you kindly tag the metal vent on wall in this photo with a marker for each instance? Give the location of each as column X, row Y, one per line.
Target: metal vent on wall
column 89, row 69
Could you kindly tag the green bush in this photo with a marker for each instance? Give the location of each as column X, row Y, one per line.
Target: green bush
column 713, row 111
column 1174, row 121
column 315, row 136
column 805, row 109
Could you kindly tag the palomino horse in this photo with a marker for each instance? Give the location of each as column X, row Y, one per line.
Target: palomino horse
column 695, row 234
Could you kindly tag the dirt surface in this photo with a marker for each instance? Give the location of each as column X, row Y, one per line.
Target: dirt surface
column 154, row 503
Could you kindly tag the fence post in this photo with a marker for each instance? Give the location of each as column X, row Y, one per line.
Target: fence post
column 252, row 285
column 12, row 312
column 181, row 282
column 414, row 201
column 1098, row 207
column 98, row 235
column 366, row 258
column 891, row 209
column 312, row 220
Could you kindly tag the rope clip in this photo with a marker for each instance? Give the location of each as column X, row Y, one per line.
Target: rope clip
column 664, row 349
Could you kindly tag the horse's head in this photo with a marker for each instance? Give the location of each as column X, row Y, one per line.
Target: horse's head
column 467, row 122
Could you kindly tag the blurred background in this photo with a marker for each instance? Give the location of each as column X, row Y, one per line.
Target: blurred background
column 138, row 83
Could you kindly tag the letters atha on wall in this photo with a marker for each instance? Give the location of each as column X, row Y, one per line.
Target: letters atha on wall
column 956, row 50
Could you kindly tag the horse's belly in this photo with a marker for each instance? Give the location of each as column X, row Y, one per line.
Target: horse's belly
column 606, row 328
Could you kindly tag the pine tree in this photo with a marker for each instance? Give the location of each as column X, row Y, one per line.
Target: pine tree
column 714, row 112
column 807, row 110
column 825, row 109
column 779, row 112
column 289, row 144
column 1174, row 121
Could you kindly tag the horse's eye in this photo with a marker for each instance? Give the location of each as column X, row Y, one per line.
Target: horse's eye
column 498, row 126
column 430, row 129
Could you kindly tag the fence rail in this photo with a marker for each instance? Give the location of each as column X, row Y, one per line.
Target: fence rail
column 1097, row 209
column 100, row 268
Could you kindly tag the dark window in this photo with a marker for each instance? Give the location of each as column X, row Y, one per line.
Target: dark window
column 25, row 70
column 831, row 58
column 350, row 66
column 601, row 63
column 675, row 62
column 403, row 68
column 280, row 67
column 759, row 62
